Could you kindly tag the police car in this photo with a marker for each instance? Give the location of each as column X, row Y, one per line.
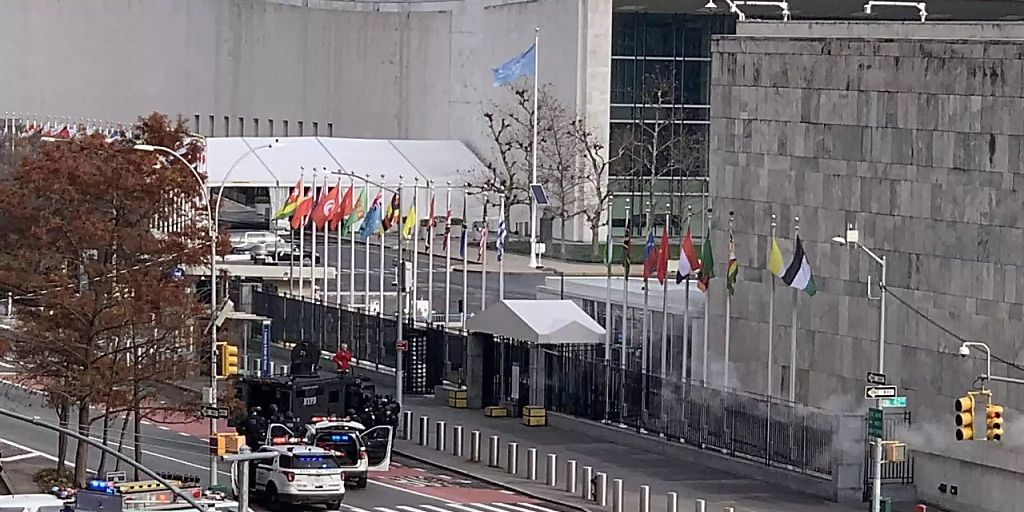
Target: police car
column 359, row 450
column 300, row 474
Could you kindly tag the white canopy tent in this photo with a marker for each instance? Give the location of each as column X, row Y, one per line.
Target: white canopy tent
column 279, row 168
column 545, row 322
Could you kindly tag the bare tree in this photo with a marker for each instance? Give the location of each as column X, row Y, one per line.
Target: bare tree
column 558, row 168
column 596, row 193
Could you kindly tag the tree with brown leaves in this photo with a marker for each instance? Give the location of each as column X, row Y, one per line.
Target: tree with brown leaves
column 101, row 320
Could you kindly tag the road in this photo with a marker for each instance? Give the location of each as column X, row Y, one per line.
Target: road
column 518, row 285
column 407, row 487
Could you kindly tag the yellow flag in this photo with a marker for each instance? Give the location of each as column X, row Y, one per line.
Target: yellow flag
column 775, row 259
column 410, row 223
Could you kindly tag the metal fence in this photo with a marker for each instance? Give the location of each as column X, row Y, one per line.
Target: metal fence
column 901, row 473
column 371, row 338
column 771, row 431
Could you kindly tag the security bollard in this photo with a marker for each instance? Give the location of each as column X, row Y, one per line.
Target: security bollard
column 729, row 509
column 570, row 477
column 457, row 440
column 673, row 502
column 645, row 498
column 617, row 495
column 424, row 435
column 407, row 425
column 440, row 432
column 493, row 457
column 531, row 464
column 512, row 460
column 552, row 469
column 602, row 489
column 588, row 483
column 699, row 506
column 474, row 446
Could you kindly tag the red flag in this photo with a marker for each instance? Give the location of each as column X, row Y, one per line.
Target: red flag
column 688, row 260
column 431, row 223
column 343, row 210
column 325, row 207
column 299, row 217
column 663, row 256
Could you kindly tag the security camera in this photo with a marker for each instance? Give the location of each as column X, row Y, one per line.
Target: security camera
column 964, row 351
column 839, row 240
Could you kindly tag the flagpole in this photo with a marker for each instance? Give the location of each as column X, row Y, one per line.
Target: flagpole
column 533, row 170
column 608, row 323
column 415, row 247
column 728, row 303
column 707, row 311
column 626, row 323
column 312, row 256
column 483, row 259
column 792, row 334
column 352, row 249
column 771, row 311
column 384, row 211
column 684, row 377
column 430, row 258
column 464, row 250
column 447, row 258
column 327, row 227
column 366, row 248
column 501, row 258
column 664, row 310
column 291, row 260
column 646, row 325
column 302, row 239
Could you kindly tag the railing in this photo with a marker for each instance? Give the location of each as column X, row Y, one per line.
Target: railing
column 752, row 427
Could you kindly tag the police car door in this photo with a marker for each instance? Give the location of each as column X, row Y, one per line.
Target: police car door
column 378, row 442
column 263, row 469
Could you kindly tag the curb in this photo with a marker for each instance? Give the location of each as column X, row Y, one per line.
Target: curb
column 6, row 487
column 502, row 485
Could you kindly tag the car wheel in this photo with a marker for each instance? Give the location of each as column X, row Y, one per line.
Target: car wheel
column 334, row 505
column 306, row 260
column 361, row 483
column 273, row 500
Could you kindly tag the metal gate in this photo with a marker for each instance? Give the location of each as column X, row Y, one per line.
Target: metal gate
column 892, row 472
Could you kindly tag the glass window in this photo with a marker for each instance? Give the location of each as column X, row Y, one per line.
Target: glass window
column 315, row 462
column 696, row 82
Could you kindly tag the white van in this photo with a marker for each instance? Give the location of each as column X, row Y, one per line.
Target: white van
column 31, row 503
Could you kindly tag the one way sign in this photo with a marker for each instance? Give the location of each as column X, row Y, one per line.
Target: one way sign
column 876, row 392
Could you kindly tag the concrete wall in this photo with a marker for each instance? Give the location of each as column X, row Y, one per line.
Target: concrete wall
column 419, row 70
column 919, row 143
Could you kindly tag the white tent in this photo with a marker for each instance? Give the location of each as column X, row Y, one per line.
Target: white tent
column 549, row 322
column 279, row 168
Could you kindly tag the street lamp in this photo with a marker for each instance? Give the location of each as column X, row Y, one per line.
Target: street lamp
column 965, row 351
column 213, row 217
column 853, row 238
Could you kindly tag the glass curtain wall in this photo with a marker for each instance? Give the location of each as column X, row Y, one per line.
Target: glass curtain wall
column 660, row 117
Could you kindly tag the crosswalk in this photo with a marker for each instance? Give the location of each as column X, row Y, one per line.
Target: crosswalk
column 455, row 507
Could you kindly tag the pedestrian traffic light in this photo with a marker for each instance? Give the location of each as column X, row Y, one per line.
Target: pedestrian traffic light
column 994, row 422
column 227, row 363
column 964, row 408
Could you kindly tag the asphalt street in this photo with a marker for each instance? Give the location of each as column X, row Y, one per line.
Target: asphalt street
column 518, row 285
column 407, row 487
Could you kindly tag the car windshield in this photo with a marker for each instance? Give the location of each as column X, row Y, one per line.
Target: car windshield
column 344, row 445
column 319, row 461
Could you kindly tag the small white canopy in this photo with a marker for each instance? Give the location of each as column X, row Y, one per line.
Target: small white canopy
column 549, row 322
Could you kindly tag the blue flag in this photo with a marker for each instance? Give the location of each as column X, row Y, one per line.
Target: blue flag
column 372, row 223
column 523, row 65
column 649, row 246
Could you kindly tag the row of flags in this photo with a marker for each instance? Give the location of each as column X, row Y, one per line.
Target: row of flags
column 797, row 273
column 59, row 130
column 301, row 206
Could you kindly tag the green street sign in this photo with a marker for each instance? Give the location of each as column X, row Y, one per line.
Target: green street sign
column 875, row 424
column 894, row 402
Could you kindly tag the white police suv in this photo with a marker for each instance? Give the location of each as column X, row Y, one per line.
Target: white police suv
column 301, row 474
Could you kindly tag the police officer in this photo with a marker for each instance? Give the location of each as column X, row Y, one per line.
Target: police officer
column 274, row 415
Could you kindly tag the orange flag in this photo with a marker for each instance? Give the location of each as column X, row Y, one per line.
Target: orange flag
column 299, row 217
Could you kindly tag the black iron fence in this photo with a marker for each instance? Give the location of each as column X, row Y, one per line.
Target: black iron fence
column 371, row 338
column 901, row 473
column 772, row 431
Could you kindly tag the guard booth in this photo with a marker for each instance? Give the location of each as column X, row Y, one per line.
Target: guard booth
column 507, row 344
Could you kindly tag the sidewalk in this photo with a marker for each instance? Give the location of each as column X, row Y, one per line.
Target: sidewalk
column 662, row 473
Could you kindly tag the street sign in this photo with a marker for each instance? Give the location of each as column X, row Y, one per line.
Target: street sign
column 876, row 378
column 213, row 412
column 117, row 476
column 402, row 346
column 875, row 423
column 894, row 402
column 876, row 392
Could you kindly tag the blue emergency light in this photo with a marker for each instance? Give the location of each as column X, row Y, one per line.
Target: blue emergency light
column 100, row 486
column 341, row 437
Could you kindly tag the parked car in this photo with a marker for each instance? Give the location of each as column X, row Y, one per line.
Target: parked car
column 242, row 238
column 266, row 254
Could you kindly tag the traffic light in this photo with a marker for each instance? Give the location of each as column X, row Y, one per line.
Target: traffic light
column 218, row 445
column 964, row 408
column 227, row 360
column 994, row 422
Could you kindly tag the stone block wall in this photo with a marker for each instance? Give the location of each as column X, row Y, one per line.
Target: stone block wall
column 917, row 142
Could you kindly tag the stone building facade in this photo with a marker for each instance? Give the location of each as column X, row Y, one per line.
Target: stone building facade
column 918, row 143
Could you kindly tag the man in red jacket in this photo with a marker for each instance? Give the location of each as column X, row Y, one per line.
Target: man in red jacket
column 342, row 358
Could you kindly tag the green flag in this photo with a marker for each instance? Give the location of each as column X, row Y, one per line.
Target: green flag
column 358, row 211
column 707, row 264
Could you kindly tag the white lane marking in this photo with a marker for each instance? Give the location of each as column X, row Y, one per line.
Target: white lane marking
column 410, row 491
column 6, row 365
column 514, row 507
column 407, row 508
column 488, row 508
column 46, row 456
column 435, row 509
column 464, row 507
column 353, row 509
column 161, row 427
column 167, row 457
column 537, row 507
column 186, row 434
column 383, row 509
column 146, row 422
column 23, row 456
